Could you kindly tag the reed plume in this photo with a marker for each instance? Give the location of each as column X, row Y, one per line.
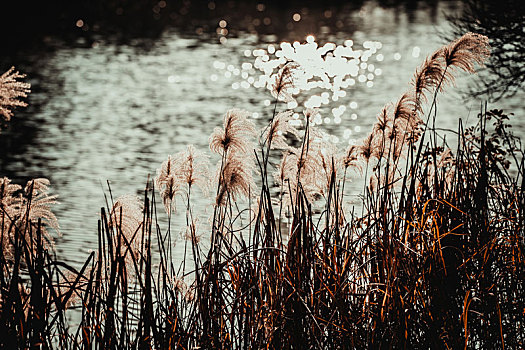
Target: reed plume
column 193, row 167
column 126, row 219
column 388, row 179
column 299, row 167
column 68, row 284
column 9, row 200
column 179, row 173
column 280, row 126
column 167, row 183
column 11, row 90
column 466, row 51
column 396, row 125
column 234, row 143
column 41, row 202
column 35, row 204
column 427, row 77
column 236, row 134
column 406, row 108
column 400, row 124
column 310, row 113
column 367, row 148
column 190, row 234
column 384, row 120
column 10, row 207
column 285, row 81
column 437, row 70
column 24, row 207
column 331, row 163
column 235, row 178
column 405, row 122
column 351, row 157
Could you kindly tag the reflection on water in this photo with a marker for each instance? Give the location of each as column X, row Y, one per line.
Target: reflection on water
column 114, row 112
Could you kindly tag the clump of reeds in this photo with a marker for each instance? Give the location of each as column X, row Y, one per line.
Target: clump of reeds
column 435, row 259
column 35, row 288
column 23, row 207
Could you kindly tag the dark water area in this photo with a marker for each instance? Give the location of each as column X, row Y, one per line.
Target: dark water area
column 116, row 88
column 35, row 21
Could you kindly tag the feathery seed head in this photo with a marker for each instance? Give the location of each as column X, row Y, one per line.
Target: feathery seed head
column 437, row 69
column 126, row 216
column 167, row 183
column 351, row 159
column 177, row 174
column 427, row 77
column 303, row 167
column 8, row 197
column 11, row 90
column 41, row 202
column 280, row 126
column 236, row 177
column 366, row 149
column 383, row 119
column 406, row 107
column 310, row 113
column 285, row 81
column 464, row 52
column 21, row 207
column 331, row 163
column 191, row 166
column 235, row 134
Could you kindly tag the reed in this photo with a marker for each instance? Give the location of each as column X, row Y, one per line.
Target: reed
column 11, row 92
column 435, row 259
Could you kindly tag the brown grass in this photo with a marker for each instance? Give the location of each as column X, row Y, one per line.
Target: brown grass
column 435, row 260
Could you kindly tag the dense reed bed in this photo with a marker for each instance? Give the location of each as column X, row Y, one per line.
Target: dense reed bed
column 434, row 257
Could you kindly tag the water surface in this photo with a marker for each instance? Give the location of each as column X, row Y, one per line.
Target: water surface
column 104, row 111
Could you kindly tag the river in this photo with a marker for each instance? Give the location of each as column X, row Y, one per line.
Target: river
column 107, row 111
